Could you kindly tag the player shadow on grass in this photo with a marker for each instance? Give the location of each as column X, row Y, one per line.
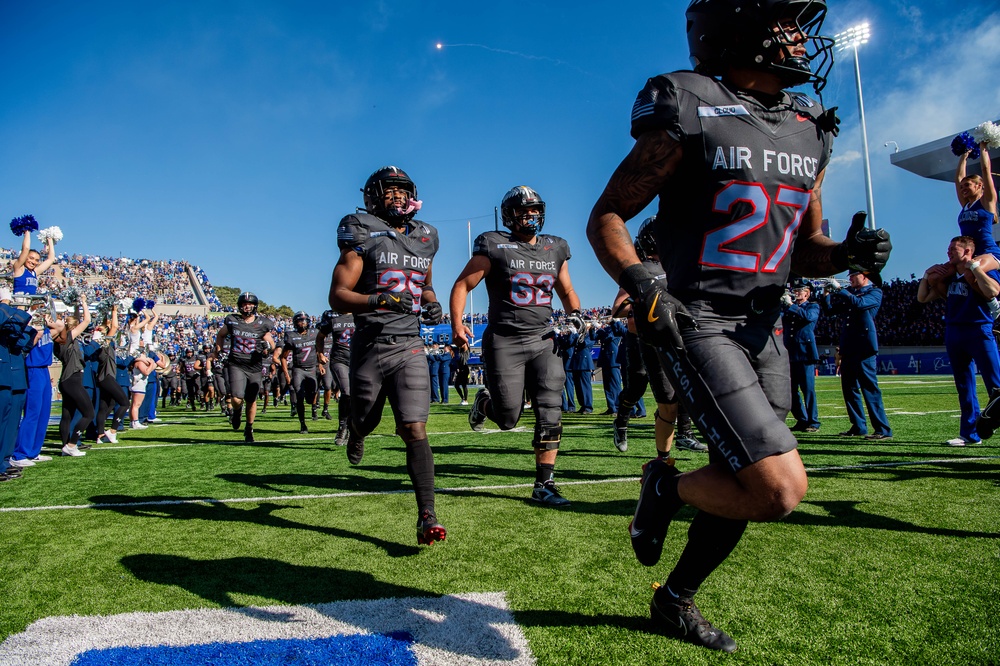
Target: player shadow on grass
column 193, row 508
column 846, row 513
column 219, row 580
column 286, row 483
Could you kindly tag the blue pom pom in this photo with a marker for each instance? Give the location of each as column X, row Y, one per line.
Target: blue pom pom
column 150, row 305
column 138, row 304
column 23, row 224
column 964, row 143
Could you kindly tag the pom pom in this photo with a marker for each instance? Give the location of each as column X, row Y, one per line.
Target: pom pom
column 104, row 308
column 964, row 143
column 988, row 133
column 70, row 296
column 139, row 304
column 150, row 305
column 25, row 223
column 55, row 233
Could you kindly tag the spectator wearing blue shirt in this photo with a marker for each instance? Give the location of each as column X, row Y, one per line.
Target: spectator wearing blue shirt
column 969, row 337
column 858, row 305
column 798, row 318
column 610, row 336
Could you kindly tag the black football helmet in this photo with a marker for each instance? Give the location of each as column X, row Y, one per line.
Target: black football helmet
column 645, row 243
column 522, row 197
column 302, row 318
column 740, row 33
column 374, row 191
column 247, row 298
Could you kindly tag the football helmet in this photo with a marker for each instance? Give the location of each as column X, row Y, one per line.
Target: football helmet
column 247, row 298
column 300, row 320
column 522, row 197
column 742, row 33
column 645, row 243
column 374, row 191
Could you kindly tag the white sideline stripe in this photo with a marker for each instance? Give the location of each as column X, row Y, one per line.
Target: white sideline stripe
column 368, row 493
column 455, row 630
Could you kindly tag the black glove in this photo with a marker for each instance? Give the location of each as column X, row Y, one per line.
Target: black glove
column 263, row 347
column 659, row 317
column 575, row 319
column 432, row 314
column 865, row 250
column 393, row 301
column 828, row 121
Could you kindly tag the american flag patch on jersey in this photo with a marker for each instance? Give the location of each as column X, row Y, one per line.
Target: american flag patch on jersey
column 644, row 103
column 344, row 234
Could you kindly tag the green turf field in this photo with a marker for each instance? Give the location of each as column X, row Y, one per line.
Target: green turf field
column 892, row 558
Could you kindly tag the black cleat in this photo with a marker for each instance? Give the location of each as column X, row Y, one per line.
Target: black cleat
column 547, row 494
column 237, row 418
column 654, row 510
column 343, row 434
column 303, row 430
column 680, row 618
column 689, row 443
column 477, row 417
column 248, row 434
column 989, row 418
column 429, row 529
column 315, row 416
column 620, row 428
column 355, row 449
column 326, row 415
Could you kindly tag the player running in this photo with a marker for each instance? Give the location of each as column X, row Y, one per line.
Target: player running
column 300, row 344
column 383, row 276
column 521, row 269
column 335, row 367
column 250, row 342
column 737, row 163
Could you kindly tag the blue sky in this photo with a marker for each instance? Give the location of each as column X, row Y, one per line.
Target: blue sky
column 236, row 134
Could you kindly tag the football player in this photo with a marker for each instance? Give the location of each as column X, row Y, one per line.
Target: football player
column 522, row 269
column 334, row 368
column 300, row 344
column 383, row 276
column 250, row 343
column 737, row 163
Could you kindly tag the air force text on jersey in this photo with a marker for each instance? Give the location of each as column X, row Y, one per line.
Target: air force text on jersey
column 533, row 265
column 738, row 157
column 409, row 261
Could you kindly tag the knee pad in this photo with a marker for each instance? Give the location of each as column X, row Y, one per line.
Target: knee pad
column 547, row 439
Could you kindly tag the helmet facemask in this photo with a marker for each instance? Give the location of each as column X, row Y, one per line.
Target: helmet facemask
column 514, row 211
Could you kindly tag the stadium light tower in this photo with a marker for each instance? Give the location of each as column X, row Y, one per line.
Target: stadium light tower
column 851, row 39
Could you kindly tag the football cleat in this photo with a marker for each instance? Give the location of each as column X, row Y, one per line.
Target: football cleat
column 989, row 418
column 621, row 436
column 654, row 510
column 355, row 449
column 326, row 415
column 248, row 434
column 429, row 529
column 342, row 436
column 547, row 494
column 303, row 430
column 477, row 415
column 690, row 444
column 237, row 418
column 679, row 617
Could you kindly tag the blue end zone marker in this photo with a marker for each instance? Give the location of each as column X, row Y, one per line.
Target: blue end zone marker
column 358, row 649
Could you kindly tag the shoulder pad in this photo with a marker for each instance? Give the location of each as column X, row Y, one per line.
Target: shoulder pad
column 354, row 230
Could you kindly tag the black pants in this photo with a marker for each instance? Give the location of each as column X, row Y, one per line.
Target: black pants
column 74, row 399
column 111, row 393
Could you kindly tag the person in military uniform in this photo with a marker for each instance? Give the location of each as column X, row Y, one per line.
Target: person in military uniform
column 522, row 268
column 737, row 163
column 798, row 318
column 300, row 344
column 250, row 343
column 335, row 367
column 383, row 277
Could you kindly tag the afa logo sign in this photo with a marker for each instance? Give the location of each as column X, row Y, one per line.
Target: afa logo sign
column 466, row 629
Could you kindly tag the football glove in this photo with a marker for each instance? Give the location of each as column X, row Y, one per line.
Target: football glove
column 659, row 317
column 865, row 250
column 432, row 314
column 393, row 301
column 263, row 347
column 575, row 319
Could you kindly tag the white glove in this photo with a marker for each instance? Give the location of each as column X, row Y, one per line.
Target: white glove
column 786, row 299
column 834, row 284
column 5, row 294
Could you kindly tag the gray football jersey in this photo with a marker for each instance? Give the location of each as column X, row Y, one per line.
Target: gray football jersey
column 303, row 348
column 728, row 218
column 521, row 280
column 394, row 261
column 243, row 338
